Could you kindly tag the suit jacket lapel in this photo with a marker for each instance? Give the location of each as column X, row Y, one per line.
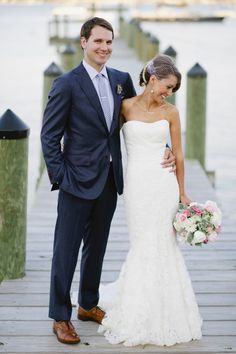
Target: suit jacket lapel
column 87, row 86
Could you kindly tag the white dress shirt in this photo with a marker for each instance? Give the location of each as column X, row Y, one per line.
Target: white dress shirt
column 92, row 74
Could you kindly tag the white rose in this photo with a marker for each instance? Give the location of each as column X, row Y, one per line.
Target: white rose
column 210, row 203
column 181, row 238
column 216, row 219
column 199, row 237
column 212, row 237
column 177, row 226
column 191, row 227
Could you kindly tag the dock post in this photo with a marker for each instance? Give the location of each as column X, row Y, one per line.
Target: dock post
column 125, row 31
column 68, row 57
column 196, row 114
column 171, row 52
column 138, row 40
column 131, row 33
column 121, row 27
column 93, row 9
column 13, row 195
column 49, row 75
column 153, row 48
column 120, row 10
column 79, row 51
column 65, row 25
column 56, row 26
column 146, row 41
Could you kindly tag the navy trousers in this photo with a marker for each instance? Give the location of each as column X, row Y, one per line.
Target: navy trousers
column 77, row 220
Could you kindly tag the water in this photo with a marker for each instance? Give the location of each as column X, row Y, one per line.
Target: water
column 26, row 53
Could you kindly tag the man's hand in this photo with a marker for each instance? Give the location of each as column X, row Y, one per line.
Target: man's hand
column 169, row 160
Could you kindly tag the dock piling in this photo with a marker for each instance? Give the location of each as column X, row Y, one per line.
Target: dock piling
column 49, row 75
column 68, row 57
column 13, row 195
column 171, row 52
column 196, row 114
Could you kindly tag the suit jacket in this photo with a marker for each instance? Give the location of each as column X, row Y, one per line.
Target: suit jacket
column 74, row 113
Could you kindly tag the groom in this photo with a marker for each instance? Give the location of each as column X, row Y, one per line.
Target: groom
column 83, row 109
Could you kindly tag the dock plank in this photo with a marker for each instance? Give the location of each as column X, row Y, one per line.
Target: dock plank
column 96, row 344
column 210, row 328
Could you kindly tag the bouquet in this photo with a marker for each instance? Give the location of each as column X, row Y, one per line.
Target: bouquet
column 198, row 224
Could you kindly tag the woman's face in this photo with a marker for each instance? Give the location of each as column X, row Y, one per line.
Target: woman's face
column 162, row 88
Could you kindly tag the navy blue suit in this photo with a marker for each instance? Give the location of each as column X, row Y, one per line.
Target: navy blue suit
column 87, row 181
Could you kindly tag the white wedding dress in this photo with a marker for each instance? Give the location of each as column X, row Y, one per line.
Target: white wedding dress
column 152, row 302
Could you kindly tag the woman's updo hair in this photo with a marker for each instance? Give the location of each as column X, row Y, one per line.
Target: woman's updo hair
column 161, row 66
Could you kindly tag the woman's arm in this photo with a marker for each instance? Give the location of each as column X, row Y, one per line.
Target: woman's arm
column 175, row 133
column 125, row 106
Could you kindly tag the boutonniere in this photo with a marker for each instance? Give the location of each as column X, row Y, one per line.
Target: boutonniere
column 119, row 89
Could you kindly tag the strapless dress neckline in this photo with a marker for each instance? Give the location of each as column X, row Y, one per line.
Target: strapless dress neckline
column 141, row 121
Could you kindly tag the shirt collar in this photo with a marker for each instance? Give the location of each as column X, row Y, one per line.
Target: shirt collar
column 93, row 72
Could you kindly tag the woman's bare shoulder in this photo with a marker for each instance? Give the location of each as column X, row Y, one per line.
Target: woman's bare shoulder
column 172, row 110
column 127, row 102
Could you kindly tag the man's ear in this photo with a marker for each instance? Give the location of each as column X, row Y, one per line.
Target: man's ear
column 83, row 42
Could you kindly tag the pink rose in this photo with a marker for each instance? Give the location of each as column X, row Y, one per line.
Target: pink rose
column 196, row 210
column 187, row 213
column 210, row 209
column 182, row 218
column 211, row 206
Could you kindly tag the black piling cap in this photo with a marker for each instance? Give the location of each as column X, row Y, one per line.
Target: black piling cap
column 147, row 34
column 68, row 49
column 53, row 70
column 133, row 21
column 12, row 127
column 170, row 51
column 197, row 71
column 154, row 40
column 138, row 26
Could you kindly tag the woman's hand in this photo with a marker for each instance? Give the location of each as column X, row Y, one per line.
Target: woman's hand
column 184, row 199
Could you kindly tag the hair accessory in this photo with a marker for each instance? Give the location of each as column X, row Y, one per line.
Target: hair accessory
column 150, row 68
column 143, row 74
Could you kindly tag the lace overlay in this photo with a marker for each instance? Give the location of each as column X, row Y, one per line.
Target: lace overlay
column 152, row 302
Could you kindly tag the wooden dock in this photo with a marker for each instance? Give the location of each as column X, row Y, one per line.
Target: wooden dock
column 24, row 323
column 26, row 328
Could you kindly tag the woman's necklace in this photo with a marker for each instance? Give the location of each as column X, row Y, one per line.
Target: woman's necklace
column 145, row 110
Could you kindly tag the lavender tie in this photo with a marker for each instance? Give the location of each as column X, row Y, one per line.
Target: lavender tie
column 104, row 99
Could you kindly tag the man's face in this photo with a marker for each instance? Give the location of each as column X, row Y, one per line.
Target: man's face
column 98, row 47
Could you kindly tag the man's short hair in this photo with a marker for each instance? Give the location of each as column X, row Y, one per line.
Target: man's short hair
column 91, row 23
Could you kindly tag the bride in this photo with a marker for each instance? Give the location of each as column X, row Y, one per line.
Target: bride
column 152, row 302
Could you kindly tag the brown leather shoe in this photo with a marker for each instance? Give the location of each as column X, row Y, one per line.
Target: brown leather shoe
column 65, row 332
column 96, row 314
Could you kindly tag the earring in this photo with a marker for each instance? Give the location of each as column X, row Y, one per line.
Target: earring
column 152, row 91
